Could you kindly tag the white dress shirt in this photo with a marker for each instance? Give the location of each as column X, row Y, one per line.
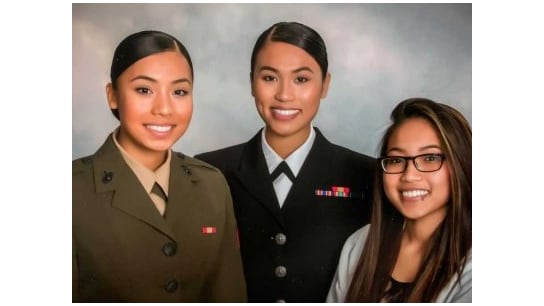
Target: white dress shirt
column 282, row 184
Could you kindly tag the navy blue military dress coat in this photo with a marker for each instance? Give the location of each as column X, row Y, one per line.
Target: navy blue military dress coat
column 291, row 253
column 123, row 250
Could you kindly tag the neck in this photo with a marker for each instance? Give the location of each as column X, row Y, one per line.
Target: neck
column 285, row 145
column 420, row 231
column 153, row 161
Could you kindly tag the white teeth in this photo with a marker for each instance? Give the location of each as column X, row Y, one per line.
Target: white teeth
column 414, row 193
column 285, row 112
column 159, row 128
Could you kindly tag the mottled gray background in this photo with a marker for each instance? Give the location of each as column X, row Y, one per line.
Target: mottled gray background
column 379, row 54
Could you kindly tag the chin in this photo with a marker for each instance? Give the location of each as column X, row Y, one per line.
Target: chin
column 161, row 147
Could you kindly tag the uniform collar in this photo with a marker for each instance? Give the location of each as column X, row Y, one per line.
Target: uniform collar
column 294, row 160
column 146, row 177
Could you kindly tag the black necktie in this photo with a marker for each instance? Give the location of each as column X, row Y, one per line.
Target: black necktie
column 158, row 191
column 283, row 168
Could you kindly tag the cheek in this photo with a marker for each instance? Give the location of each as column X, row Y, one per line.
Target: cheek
column 132, row 104
column 129, row 111
column 263, row 93
column 185, row 108
column 442, row 178
column 442, row 183
column 390, row 186
column 311, row 97
column 261, row 98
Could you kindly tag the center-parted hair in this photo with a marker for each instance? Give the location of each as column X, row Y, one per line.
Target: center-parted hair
column 451, row 242
column 296, row 34
column 139, row 45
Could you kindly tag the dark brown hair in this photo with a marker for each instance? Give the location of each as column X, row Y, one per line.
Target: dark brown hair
column 296, row 34
column 452, row 240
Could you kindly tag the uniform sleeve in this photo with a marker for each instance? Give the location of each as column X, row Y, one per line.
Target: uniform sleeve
column 75, row 274
column 349, row 258
column 228, row 283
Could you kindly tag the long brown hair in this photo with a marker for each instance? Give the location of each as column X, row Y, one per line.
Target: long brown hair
column 452, row 240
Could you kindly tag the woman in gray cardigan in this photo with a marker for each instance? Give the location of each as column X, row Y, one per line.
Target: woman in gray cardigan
column 418, row 245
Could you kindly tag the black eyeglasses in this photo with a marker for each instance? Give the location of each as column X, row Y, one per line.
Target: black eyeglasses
column 423, row 163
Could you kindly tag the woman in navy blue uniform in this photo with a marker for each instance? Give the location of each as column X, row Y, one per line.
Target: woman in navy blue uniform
column 297, row 197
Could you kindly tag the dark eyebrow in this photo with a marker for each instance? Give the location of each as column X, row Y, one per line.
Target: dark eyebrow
column 143, row 77
column 420, row 149
column 182, row 80
column 294, row 71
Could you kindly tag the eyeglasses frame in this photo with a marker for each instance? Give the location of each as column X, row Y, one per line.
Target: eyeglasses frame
column 413, row 159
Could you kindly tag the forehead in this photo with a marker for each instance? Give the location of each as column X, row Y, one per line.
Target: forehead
column 275, row 53
column 413, row 135
column 163, row 63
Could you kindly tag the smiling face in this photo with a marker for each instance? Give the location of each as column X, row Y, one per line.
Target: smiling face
column 155, row 103
column 419, row 196
column 288, row 86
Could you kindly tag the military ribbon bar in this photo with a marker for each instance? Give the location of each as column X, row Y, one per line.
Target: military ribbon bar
column 208, row 230
column 337, row 191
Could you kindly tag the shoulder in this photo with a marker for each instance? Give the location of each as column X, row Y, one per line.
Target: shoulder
column 82, row 177
column 459, row 290
column 199, row 169
column 343, row 153
column 352, row 249
column 466, row 276
column 227, row 151
column 222, row 157
column 195, row 164
column 349, row 258
column 353, row 156
column 82, row 165
column 356, row 241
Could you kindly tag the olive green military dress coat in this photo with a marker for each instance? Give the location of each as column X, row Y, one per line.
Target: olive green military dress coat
column 123, row 250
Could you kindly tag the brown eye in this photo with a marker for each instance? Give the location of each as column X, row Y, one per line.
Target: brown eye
column 143, row 90
column 394, row 160
column 268, row 78
column 430, row 158
column 180, row 92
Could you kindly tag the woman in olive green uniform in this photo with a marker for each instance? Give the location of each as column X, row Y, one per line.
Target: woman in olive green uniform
column 150, row 224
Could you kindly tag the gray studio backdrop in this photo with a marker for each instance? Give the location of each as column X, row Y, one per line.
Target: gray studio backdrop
column 379, row 54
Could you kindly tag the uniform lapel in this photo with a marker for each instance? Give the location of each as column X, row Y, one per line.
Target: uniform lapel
column 181, row 192
column 313, row 173
column 254, row 177
column 112, row 174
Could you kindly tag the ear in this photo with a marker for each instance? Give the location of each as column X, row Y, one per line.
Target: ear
column 112, row 97
column 326, row 84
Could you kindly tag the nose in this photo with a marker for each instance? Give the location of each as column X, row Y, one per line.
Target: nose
column 162, row 105
column 411, row 173
column 284, row 92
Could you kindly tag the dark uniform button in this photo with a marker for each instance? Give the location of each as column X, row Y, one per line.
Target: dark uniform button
column 280, row 301
column 107, row 177
column 280, row 271
column 280, row 239
column 169, row 249
column 171, row 285
column 187, row 170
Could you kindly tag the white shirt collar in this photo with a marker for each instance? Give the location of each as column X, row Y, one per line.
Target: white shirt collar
column 294, row 160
